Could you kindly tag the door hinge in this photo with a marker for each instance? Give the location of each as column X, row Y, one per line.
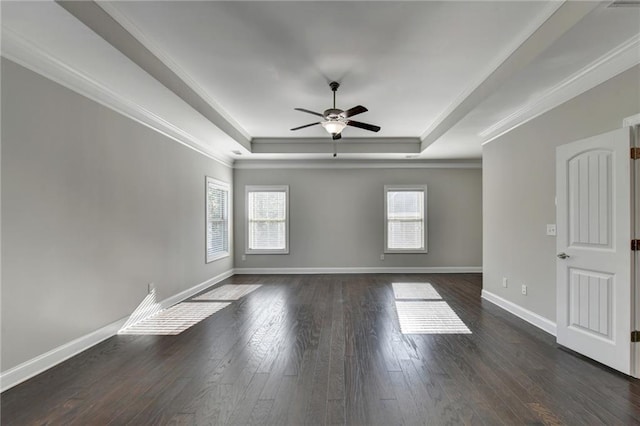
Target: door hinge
column 635, row 153
column 635, row 245
column 635, row 336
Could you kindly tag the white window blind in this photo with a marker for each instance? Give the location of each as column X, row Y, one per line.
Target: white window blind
column 405, row 219
column 217, row 217
column 267, row 219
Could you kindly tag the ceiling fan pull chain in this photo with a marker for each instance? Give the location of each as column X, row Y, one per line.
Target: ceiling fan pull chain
column 335, row 149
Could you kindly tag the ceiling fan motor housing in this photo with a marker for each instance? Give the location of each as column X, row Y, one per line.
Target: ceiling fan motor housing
column 332, row 113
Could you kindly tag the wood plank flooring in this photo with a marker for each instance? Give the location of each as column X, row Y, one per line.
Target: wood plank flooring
column 327, row 349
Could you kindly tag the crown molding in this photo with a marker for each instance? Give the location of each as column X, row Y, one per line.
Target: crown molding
column 324, row 140
column 614, row 62
column 344, row 164
column 344, row 146
column 27, row 54
column 491, row 69
column 111, row 9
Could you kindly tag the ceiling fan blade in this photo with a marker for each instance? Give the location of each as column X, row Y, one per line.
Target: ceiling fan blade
column 354, row 111
column 309, row 112
column 306, row 125
column 336, row 136
column 363, row 125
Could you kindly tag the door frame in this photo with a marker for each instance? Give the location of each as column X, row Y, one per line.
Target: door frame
column 635, row 230
column 634, row 123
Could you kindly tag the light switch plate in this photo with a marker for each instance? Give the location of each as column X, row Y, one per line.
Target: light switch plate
column 551, row 229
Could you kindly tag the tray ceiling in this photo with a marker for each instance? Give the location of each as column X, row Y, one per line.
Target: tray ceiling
column 440, row 78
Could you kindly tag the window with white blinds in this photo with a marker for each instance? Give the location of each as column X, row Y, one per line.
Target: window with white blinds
column 405, row 219
column 267, row 224
column 217, row 218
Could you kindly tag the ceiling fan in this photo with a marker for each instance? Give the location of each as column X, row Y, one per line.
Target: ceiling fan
column 335, row 120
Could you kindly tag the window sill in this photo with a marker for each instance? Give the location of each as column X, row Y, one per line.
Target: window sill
column 286, row 251
column 401, row 251
column 217, row 257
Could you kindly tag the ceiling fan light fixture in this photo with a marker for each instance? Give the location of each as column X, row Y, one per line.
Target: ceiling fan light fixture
column 334, row 127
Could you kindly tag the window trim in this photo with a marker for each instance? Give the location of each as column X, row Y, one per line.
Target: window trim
column 266, row 188
column 224, row 186
column 392, row 188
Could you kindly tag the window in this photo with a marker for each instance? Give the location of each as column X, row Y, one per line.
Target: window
column 267, row 226
column 217, row 218
column 405, row 222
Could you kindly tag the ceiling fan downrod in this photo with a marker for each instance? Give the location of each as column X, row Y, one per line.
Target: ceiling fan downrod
column 334, row 87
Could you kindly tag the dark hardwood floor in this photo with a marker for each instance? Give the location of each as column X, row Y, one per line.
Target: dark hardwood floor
column 327, row 349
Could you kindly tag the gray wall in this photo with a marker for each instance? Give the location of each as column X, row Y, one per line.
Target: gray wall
column 94, row 207
column 519, row 190
column 337, row 217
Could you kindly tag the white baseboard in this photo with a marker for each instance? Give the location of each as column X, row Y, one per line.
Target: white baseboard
column 517, row 310
column 170, row 301
column 37, row 365
column 363, row 270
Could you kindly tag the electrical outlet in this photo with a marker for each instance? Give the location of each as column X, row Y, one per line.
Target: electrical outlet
column 505, row 282
column 551, row 229
column 382, row 257
column 150, row 288
column 524, row 289
column 244, row 257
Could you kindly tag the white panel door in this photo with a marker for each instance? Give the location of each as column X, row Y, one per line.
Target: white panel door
column 594, row 291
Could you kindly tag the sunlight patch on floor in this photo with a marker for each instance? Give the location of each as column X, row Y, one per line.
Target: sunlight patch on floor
column 148, row 307
column 150, row 319
column 415, row 291
column 421, row 310
column 175, row 319
column 429, row 317
column 229, row 292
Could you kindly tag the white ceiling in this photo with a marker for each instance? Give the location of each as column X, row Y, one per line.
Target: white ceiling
column 435, row 76
column 400, row 60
